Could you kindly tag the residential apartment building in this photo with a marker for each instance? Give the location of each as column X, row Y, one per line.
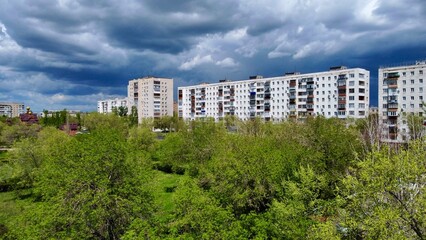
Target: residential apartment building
column 153, row 96
column 107, row 106
column 339, row 92
column 402, row 91
column 11, row 109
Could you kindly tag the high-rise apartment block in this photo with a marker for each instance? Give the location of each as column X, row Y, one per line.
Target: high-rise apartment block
column 152, row 96
column 339, row 92
column 402, row 91
column 107, row 106
column 11, row 109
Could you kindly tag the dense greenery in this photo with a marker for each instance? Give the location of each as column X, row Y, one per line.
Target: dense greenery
column 321, row 179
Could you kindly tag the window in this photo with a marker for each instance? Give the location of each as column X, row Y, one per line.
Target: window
column 412, row 105
column 404, row 74
column 404, row 82
column 351, row 105
column 351, row 97
column 361, row 90
column 421, row 72
column 351, row 75
column 412, row 81
column 361, row 75
column 404, row 90
column 412, row 73
column 351, row 90
column 351, row 83
column 412, row 97
column 412, row 89
column 420, row 80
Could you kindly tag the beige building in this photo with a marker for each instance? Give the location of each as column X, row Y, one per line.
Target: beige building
column 153, row 96
column 11, row 109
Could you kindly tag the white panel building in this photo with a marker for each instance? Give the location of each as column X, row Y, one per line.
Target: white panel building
column 107, row 105
column 339, row 92
column 402, row 91
column 153, row 96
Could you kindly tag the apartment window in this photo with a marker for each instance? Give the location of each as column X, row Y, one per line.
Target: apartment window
column 404, row 105
column 421, row 72
column 412, row 81
column 404, row 98
column 351, row 83
column 404, row 90
column 420, row 105
column 361, row 105
column 421, row 97
column 412, row 73
column 351, row 105
column 404, row 82
column 361, row 90
column 351, row 90
column 351, row 75
column 361, row 75
column 412, row 97
column 412, row 89
column 412, row 105
column 420, row 89
column 404, row 74
column 351, row 98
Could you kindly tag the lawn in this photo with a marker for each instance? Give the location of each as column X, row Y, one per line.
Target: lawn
column 163, row 185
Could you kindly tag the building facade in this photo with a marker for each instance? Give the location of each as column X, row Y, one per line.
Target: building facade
column 402, row 91
column 153, row 96
column 107, row 106
column 339, row 92
column 11, row 109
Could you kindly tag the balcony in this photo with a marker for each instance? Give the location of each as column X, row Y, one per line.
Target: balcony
column 392, row 114
column 392, row 75
column 393, row 106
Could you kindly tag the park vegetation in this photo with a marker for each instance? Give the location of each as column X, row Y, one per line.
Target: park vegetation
column 320, row 179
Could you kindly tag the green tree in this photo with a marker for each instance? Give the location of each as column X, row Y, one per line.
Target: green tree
column 94, row 190
column 385, row 197
column 133, row 117
column 122, row 111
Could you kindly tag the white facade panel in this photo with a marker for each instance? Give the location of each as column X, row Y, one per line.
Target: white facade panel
column 339, row 93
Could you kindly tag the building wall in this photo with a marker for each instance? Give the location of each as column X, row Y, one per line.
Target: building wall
column 402, row 91
column 340, row 92
column 152, row 96
column 11, row 109
column 106, row 106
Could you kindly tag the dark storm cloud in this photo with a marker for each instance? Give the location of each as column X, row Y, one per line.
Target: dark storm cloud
column 74, row 52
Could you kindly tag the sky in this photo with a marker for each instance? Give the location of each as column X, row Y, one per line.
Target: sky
column 69, row 54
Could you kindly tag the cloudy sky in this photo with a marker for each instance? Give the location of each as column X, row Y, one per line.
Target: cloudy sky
column 72, row 53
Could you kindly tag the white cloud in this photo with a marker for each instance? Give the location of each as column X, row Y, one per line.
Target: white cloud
column 195, row 61
column 227, row 62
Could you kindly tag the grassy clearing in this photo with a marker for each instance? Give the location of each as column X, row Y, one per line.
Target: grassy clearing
column 163, row 185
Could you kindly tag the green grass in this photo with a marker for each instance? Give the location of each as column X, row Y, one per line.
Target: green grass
column 8, row 206
column 163, row 185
